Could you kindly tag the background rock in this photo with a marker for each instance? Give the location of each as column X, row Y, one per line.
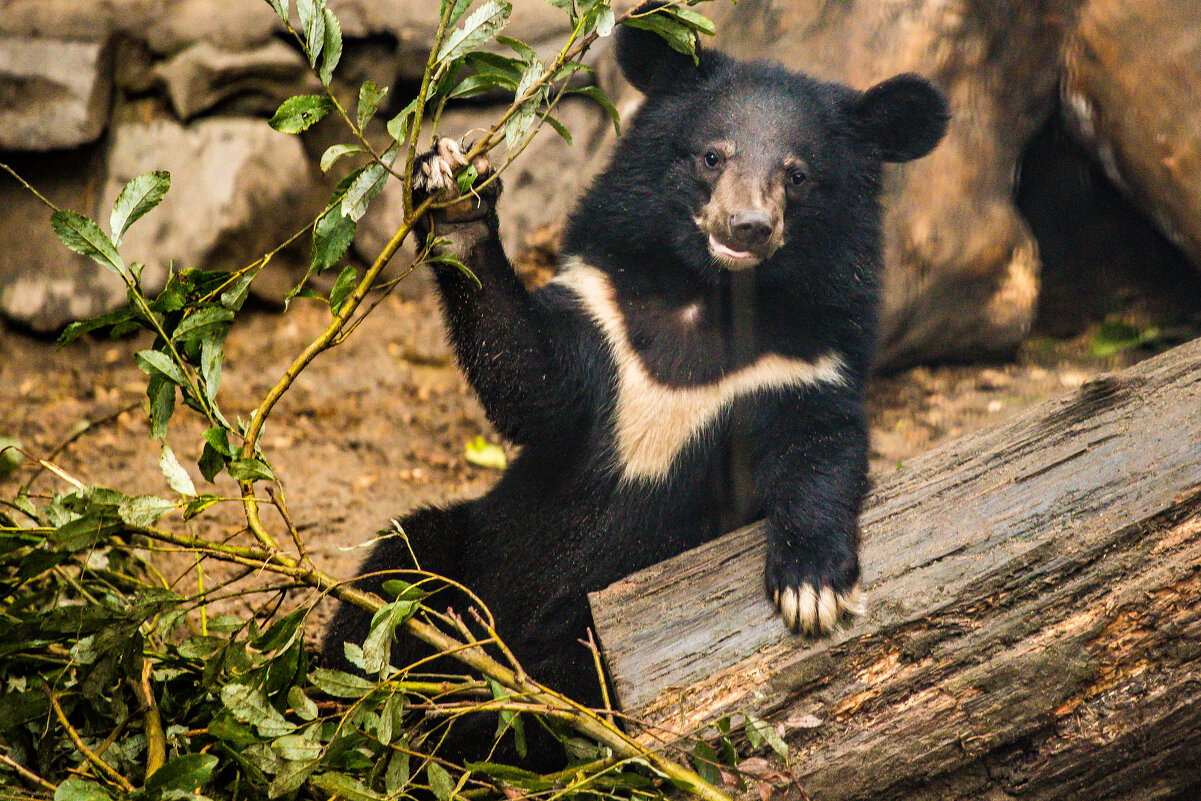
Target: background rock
column 961, row 274
column 236, row 185
column 1131, row 89
column 53, row 93
column 202, row 76
column 171, row 83
column 44, row 286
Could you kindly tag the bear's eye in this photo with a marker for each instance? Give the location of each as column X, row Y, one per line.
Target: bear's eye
column 711, row 158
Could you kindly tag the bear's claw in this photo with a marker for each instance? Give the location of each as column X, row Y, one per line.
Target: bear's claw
column 806, row 610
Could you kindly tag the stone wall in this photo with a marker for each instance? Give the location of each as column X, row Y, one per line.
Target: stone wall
column 93, row 92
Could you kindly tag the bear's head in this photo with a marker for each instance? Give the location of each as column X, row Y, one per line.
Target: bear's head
column 729, row 164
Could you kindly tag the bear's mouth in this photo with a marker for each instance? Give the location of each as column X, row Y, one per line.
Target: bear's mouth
column 731, row 258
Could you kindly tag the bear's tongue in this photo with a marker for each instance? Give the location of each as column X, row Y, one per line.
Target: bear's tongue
column 722, row 250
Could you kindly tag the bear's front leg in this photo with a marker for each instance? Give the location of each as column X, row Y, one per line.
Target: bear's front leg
column 812, row 525
column 501, row 334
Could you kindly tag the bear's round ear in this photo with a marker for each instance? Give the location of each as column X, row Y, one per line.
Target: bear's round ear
column 650, row 63
column 905, row 116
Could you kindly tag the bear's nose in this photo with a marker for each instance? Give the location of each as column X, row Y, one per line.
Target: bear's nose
column 750, row 227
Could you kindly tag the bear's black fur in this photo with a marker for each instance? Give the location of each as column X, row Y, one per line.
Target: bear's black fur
column 698, row 363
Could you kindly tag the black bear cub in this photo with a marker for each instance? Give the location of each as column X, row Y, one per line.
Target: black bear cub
column 698, row 362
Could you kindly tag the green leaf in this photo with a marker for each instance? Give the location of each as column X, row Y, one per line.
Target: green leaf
column 335, row 152
column 402, row 590
column 333, row 47
column 250, row 469
column 75, row 330
column 391, row 718
column 460, row 8
column 478, row 84
column 218, row 438
column 84, row 237
column 296, row 748
column 144, row 510
column 440, row 781
column 398, row 126
column 211, row 463
column 479, row 28
column 177, row 478
column 600, row 97
column 453, row 261
column 339, row 683
column 396, row 777
column 281, row 8
column 160, row 391
column 519, row 124
column 249, row 705
column 343, row 785
column 74, row 788
column 486, row 63
column 301, row 704
column 299, row 113
column 482, row 453
column 210, row 368
column 155, row 361
column 370, row 98
column 202, row 502
column 466, row 179
column 377, row 647
column 705, row 762
column 693, row 19
column 235, row 295
column 559, row 127
column 604, row 21
column 676, row 33
column 138, row 197
column 10, row 457
column 528, row 54
column 281, row 633
column 312, row 22
column 186, row 773
column 760, row 731
column 290, row 778
column 207, row 317
column 347, row 279
column 332, row 237
column 366, row 186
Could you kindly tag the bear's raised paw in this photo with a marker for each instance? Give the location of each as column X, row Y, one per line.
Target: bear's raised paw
column 434, row 175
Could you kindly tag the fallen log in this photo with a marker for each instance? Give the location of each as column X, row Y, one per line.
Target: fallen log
column 1033, row 621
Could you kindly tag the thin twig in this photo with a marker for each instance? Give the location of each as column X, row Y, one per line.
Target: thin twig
column 419, row 110
column 517, row 668
column 108, row 770
column 27, row 774
column 297, row 540
column 152, row 722
column 80, row 430
column 27, row 185
column 590, row 644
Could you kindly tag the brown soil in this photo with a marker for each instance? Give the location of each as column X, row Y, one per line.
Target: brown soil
column 379, row 425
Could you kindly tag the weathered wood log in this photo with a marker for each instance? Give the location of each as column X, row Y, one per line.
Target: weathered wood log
column 1033, row 623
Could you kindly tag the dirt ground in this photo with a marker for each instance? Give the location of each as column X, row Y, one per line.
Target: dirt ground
column 379, row 425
